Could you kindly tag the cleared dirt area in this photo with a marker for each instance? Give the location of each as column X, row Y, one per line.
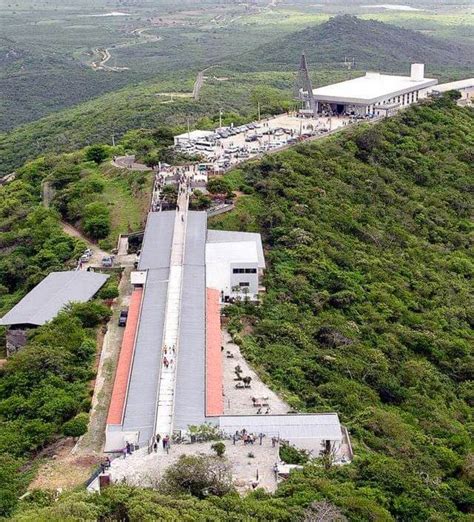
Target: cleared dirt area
column 62, row 469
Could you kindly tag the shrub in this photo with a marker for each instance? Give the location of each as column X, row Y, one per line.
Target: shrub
column 76, row 426
column 291, row 455
column 219, row 448
column 96, row 153
column 199, row 476
column 91, row 314
column 110, row 291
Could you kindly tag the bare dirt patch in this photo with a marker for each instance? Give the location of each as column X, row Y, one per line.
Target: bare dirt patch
column 62, row 468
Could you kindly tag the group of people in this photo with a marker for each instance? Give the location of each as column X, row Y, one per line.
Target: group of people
column 246, row 438
column 165, row 441
column 168, row 352
column 183, row 176
column 128, row 449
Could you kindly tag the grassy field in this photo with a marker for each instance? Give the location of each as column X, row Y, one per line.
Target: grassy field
column 128, row 208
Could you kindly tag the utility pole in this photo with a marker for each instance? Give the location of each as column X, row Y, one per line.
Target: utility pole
column 189, row 137
column 258, row 110
column 113, row 140
column 220, row 118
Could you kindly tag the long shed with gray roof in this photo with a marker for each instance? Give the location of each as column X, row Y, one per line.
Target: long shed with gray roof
column 48, row 298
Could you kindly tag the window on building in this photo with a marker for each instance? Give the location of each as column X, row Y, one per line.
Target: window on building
column 244, row 270
column 243, row 284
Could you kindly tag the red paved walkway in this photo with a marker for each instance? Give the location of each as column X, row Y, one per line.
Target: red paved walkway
column 214, row 396
column 119, row 392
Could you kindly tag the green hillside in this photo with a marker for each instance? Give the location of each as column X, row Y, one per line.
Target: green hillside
column 368, row 309
column 35, row 82
column 140, row 106
column 373, row 45
column 368, row 312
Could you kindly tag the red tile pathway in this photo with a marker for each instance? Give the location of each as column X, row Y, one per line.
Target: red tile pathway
column 122, row 373
column 214, row 395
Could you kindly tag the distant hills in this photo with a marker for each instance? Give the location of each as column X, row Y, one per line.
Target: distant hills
column 373, row 45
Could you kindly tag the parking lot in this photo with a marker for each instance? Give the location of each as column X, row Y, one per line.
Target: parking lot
column 228, row 146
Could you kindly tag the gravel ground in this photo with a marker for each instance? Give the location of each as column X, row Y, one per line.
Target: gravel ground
column 145, row 469
column 239, row 401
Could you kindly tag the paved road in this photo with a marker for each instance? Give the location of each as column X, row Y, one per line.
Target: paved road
column 128, row 162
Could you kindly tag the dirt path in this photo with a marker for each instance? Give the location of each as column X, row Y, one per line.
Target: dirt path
column 103, row 55
column 200, row 82
column 97, row 253
column 93, row 441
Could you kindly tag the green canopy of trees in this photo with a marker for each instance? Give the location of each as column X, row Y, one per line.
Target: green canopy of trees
column 368, row 310
column 44, row 388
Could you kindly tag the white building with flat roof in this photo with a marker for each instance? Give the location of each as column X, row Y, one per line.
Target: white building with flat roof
column 193, row 136
column 234, row 263
column 374, row 93
column 465, row 87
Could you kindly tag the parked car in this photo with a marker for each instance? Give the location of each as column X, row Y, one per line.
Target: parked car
column 122, row 320
column 107, row 261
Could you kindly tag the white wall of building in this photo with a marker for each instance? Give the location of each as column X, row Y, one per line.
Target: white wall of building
column 221, row 261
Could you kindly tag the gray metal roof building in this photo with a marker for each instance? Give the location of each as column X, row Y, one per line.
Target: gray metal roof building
column 191, row 376
column 54, row 292
column 156, row 246
column 140, row 407
column 308, row 431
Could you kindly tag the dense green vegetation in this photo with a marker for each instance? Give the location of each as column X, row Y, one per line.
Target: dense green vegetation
column 43, row 390
column 100, row 200
column 368, row 309
column 373, row 45
column 32, row 243
column 366, row 313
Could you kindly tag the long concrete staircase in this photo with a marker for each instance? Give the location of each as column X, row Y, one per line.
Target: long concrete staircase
column 166, row 389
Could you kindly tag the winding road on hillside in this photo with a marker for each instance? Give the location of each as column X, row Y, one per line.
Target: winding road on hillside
column 104, row 55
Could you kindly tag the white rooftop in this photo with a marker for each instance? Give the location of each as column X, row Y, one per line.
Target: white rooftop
column 370, row 88
column 231, row 252
column 225, row 236
column 460, row 84
column 194, row 135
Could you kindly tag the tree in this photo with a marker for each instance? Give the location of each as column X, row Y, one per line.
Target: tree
column 219, row 185
column 152, row 159
column 96, row 153
column 96, row 221
column 219, row 448
column 90, row 314
column 323, row 511
column 199, row 476
column 77, row 426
